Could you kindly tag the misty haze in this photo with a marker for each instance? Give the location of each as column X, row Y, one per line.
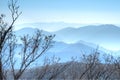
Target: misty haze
column 59, row 40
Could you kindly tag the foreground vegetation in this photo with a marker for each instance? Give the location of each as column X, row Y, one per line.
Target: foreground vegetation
column 87, row 67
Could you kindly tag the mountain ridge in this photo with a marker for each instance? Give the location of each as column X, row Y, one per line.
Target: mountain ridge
column 102, row 35
column 106, row 35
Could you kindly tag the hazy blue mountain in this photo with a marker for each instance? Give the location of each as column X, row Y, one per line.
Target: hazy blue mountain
column 30, row 31
column 67, row 51
column 105, row 35
column 60, row 47
column 63, row 51
column 50, row 26
column 25, row 31
column 95, row 46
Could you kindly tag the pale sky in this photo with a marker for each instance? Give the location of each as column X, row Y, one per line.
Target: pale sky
column 70, row 11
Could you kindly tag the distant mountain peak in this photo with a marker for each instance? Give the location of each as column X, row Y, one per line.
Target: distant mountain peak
column 106, row 35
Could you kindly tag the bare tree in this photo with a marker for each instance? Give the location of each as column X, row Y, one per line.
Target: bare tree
column 117, row 66
column 90, row 62
column 32, row 47
column 89, row 68
column 52, row 69
column 6, row 30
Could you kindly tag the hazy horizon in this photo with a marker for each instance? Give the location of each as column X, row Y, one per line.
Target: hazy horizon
column 59, row 25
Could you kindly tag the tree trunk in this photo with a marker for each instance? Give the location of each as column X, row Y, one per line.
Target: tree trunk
column 1, row 72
